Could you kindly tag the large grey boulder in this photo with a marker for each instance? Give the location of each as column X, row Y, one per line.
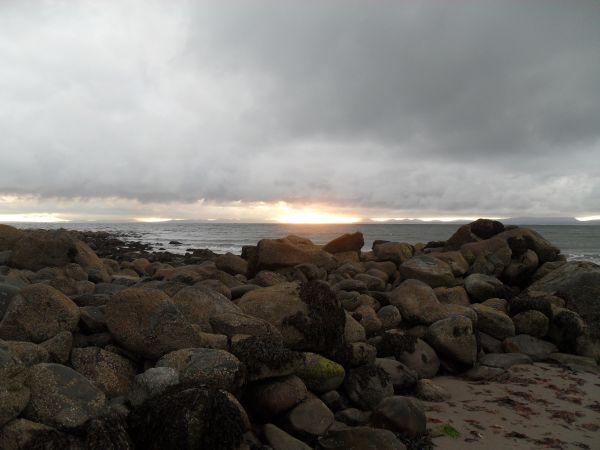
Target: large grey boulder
column 494, row 322
column 430, row 270
column 146, row 322
column 417, row 302
column 367, row 385
column 360, row 438
column 111, row 373
column 403, row 415
column 199, row 304
column 481, row 287
column 579, row 284
column 276, row 395
column 453, row 338
column 62, row 397
column 38, row 313
column 14, row 394
column 535, row 348
column 309, row 419
column 151, row 383
column 212, row 367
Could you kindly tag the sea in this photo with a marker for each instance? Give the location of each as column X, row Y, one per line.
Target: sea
column 577, row 242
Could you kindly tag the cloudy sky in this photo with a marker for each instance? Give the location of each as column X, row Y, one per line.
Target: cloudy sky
column 268, row 109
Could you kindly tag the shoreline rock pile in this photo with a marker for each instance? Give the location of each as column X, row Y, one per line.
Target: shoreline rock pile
column 289, row 346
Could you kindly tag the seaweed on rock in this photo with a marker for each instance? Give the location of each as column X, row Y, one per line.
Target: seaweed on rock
column 256, row 352
column 526, row 303
column 192, row 418
column 394, row 344
column 323, row 326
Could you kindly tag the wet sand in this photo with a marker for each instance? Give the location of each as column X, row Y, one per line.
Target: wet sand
column 531, row 407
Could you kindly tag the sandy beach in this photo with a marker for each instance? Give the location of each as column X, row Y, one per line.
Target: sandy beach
column 532, row 406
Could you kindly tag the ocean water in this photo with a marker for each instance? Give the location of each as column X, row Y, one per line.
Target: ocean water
column 577, row 242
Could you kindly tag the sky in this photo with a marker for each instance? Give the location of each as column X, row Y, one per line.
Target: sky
column 290, row 111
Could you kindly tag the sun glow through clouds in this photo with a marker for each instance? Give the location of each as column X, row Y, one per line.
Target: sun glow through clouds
column 286, row 214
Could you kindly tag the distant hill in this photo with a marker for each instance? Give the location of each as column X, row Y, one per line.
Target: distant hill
column 507, row 221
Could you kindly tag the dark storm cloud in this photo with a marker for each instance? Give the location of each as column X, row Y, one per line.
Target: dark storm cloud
column 457, row 107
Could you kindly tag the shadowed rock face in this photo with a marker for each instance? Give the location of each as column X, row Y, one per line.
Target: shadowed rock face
column 187, row 419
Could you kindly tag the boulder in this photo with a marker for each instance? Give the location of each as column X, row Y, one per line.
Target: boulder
column 275, row 305
column 367, row 385
column 320, row 374
column 457, row 262
column 533, row 323
column 9, row 236
column 42, row 248
column 390, row 316
column 288, row 252
column 38, row 313
column 205, row 366
column 26, row 352
column 280, row 440
column 368, row 318
column 579, row 283
column 275, row 396
column 111, row 373
column 452, row 309
column 430, row 270
column 151, row 383
column 420, row 357
column 62, row 397
column 59, row 347
column 146, row 322
column 372, row 283
column 309, row 419
column 360, row 438
column 361, row 353
column 488, row 257
column 481, row 287
column 14, row 393
column 401, row 377
column 396, row 252
column 93, row 319
column 265, row 357
column 232, row 323
column 403, row 415
column 535, row 348
column 533, row 240
column 21, row 434
column 8, row 289
column 352, row 416
column 566, row 329
column 493, row 322
column 231, row 264
column 351, row 242
column 309, row 316
column 188, row 418
column 429, row 391
column 198, row 304
column 456, row 295
column 520, row 270
column 453, row 338
column 504, row 360
column 417, row 302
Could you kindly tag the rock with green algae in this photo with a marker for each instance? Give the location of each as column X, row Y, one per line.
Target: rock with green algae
column 320, row 374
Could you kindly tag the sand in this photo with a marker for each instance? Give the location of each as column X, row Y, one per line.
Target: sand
column 534, row 406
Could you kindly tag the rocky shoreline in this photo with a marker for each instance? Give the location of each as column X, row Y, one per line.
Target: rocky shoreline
column 105, row 344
